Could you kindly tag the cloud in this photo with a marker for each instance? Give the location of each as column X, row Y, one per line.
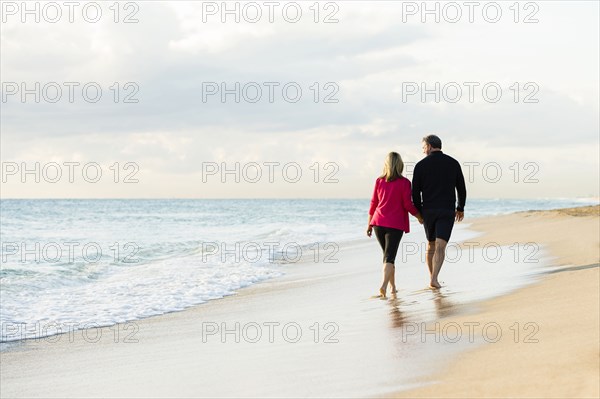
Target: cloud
column 366, row 58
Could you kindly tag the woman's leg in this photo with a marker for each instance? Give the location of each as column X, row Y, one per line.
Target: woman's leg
column 394, row 237
column 388, row 269
column 380, row 233
column 389, row 239
column 393, row 289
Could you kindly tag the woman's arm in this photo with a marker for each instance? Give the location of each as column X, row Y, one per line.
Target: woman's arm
column 374, row 203
column 374, row 200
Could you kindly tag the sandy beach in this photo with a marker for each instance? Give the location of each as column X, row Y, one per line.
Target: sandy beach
column 317, row 332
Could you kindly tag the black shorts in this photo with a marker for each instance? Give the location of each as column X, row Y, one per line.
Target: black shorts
column 438, row 223
column 389, row 239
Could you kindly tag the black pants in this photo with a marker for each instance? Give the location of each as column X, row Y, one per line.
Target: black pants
column 389, row 239
column 438, row 223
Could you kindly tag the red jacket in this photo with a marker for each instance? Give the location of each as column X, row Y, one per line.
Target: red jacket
column 391, row 204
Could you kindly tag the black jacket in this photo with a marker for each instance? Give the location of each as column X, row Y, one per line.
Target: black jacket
column 435, row 179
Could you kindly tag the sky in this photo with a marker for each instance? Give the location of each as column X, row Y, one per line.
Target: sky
column 512, row 91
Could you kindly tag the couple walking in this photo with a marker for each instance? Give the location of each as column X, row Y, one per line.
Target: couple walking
column 431, row 200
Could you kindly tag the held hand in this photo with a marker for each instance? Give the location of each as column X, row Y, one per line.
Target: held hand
column 369, row 231
column 419, row 218
column 460, row 216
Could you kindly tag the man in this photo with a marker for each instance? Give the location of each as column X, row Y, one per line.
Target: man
column 435, row 179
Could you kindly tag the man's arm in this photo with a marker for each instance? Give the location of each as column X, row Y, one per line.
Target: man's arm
column 461, row 190
column 416, row 189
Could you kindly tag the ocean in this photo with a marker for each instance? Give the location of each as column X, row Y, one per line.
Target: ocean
column 97, row 262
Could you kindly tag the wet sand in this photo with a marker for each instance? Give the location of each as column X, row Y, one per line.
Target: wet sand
column 196, row 352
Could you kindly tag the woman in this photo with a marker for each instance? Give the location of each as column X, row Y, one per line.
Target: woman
column 388, row 215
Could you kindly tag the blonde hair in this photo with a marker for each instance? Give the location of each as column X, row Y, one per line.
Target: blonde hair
column 393, row 167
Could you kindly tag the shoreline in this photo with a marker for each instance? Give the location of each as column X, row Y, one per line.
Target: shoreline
column 348, row 242
column 174, row 341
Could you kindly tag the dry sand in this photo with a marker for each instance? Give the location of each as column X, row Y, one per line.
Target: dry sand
column 565, row 362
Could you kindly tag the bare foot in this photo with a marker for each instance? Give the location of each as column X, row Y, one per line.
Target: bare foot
column 435, row 285
column 382, row 293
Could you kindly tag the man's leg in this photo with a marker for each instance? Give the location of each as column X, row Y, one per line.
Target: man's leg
column 429, row 256
column 429, row 224
column 438, row 260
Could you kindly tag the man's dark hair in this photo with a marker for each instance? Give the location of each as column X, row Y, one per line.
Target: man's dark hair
column 433, row 140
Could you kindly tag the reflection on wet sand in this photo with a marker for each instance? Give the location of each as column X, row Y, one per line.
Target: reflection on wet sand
column 398, row 318
column 444, row 307
column 429, row 305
